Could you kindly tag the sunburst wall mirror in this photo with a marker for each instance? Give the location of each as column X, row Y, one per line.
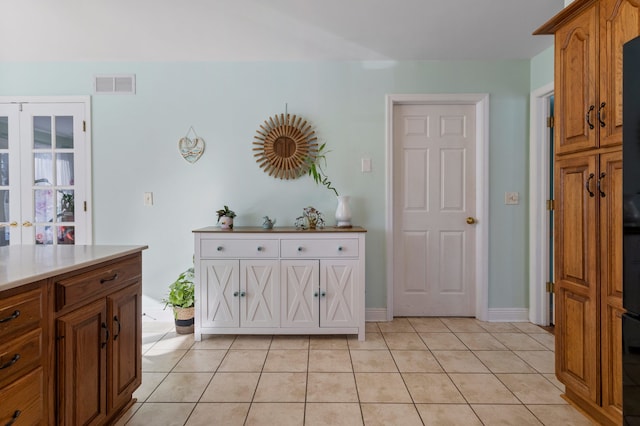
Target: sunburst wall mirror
column 286, row 145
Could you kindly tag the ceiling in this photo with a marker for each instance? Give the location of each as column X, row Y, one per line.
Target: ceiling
column 273, row 30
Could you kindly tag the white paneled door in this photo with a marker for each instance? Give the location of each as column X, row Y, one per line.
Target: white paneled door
column 434, row 210
column 44, row 173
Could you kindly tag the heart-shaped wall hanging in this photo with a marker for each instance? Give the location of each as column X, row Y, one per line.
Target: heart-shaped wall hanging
column 191, row 149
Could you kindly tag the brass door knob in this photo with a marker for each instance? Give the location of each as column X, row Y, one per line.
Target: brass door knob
column 27, row 224
column 471, row 220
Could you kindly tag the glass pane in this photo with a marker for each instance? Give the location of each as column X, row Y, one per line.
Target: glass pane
column 44, row 235
column 43, row 203
column 4, row 205
column 4, row 237
column 4, row 132
column 66, row 234
column 65, row 206
column 43, row 169
column 64, row 169
column 64, row 132
column 41, row 132
column 4, row 169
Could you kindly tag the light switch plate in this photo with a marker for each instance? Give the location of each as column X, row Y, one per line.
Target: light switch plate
column 511, row 198
column 366, row 165
column 148, row 198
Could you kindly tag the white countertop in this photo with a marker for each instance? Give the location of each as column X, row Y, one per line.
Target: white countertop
column 28, row 263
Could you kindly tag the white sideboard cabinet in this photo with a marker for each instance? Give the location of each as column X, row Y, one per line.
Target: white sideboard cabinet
column 251, row 280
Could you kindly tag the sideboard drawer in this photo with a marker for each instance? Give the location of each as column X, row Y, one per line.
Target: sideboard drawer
column 20, row 312
column 90, row 284
column 238, row 248
column 331, row 248
column 19, row 355
column 22, row 401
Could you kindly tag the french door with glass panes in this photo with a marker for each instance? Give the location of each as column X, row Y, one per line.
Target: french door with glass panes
column 44, row 173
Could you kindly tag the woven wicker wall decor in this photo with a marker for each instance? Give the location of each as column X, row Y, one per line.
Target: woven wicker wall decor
column 285, row 146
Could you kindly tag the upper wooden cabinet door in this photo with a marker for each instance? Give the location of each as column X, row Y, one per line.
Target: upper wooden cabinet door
column 575, row 76
column 619, row 23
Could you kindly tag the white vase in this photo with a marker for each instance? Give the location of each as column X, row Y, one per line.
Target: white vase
column 226, row 222
column 343, row 212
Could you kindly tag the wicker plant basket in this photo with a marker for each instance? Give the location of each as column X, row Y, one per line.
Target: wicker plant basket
column 184, row 319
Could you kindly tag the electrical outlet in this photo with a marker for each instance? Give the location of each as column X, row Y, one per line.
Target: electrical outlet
column 148, row 198
column 511, row 198
column 366, row 165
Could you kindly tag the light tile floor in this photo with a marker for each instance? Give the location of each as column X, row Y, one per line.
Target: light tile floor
column 422, row 371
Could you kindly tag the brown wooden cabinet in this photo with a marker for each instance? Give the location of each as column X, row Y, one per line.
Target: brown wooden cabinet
column 98, row 334
column 589, row 35
column 23, row 392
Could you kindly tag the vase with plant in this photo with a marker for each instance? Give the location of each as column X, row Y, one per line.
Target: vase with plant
column 182, row 299
column 316, row 171
column 66, row 206
column 225, row 217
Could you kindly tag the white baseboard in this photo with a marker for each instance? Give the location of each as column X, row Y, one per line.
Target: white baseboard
column 375, row 314
column 508, row 315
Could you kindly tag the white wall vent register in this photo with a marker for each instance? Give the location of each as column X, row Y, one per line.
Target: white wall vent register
column 116, row 84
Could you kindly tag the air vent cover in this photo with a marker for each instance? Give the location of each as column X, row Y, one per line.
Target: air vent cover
column 116, row 84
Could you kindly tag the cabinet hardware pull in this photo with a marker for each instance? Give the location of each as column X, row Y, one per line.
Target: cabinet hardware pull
column 117, row 320
column 15, row 416
column 323, row 293
column 15, row 359
column 104, row 326
column 235, row 294
column 219, row 248
column 602, row 176
column 340, row 248
column 315, row 294
column 105, row 280
column 13, row 224
column 602, row 123
column 259, row 248
column 299, row 248
column 587, row 186
column 13, row 316
column 243, row 294
column 27, row 224
column 588, row 116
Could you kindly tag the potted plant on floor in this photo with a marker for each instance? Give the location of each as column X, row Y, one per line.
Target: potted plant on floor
column 182, row 298
column 225, row 217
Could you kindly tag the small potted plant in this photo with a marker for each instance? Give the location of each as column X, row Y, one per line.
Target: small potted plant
column 225, row 217
column 182, row 298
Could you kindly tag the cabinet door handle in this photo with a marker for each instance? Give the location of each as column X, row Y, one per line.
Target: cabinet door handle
column 117, row 321
column 323, row 294
column 236, row 294
column 13, row 316
column 260, row 248
column 602, row 176
column 8, row 364
column 588, row 116
column 243, row 294
column 315, row 294
column 106, row 329
column 602, row 123
column 27, row 224
column 588, row 186
column 15, row 416
column 106, row 280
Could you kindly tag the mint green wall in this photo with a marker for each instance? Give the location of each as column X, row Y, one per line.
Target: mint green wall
column 135, row 150
column 542, row 69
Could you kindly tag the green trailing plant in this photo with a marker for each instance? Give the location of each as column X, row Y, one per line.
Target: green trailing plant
column 316, row 171
column 225, row 212
column 181, row 291
column 66, row 202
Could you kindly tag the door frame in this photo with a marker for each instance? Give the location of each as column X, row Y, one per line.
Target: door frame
column 481, row 103
column 539, row 160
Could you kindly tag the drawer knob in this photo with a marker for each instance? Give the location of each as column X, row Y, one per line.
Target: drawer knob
column 315, row 294
column 323, row 294
column 260, row 248
column 219, row 248
column 106, row 280
column 299, row 248
column 340, row 248
column 14, row 417
column 235, row 294
column 243, row 294
column 15, row 359
column 13, row 316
